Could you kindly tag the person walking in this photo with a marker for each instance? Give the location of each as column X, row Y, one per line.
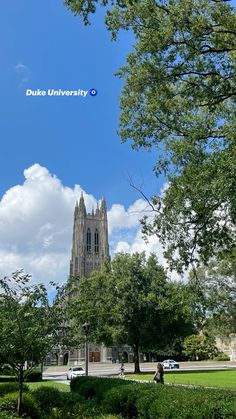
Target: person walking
column 122, row 370
column 159, row 374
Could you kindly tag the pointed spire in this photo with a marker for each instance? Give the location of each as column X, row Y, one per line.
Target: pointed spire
column 82, row 208
column 103, row 209
column 76, row 209
column 103, row 205
column 97, row 210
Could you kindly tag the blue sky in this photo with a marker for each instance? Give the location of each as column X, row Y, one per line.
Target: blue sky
column 45, row 46
column 52, row 148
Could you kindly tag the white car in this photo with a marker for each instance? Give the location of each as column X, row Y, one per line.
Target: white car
column 170, row 363
column 75, row 372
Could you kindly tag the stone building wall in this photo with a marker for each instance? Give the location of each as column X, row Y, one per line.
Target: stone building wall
column 228, row 346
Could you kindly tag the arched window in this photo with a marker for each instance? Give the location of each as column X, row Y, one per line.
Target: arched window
column 96, row 241
column 76, row 265
column 88, row 240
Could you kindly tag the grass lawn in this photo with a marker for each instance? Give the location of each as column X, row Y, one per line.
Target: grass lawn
column 33, row 386
column 49, row 383
column 201, row 378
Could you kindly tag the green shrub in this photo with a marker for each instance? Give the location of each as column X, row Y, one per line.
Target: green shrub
column 183, row 403
column 104, row 385
column 95, row 387
column 11, row 387
column 87, row 389
column 86, row 409
column 172, row 404
column 47, row 397
column 221, row 357
column 59, row 406
column 33, row 376
column 146, row 399
column 7, row 379
column 109, row 417
column 122, row 400
column 149, row 401
column 79, row 382
column 30, row 408
column 7, row 370
column 5, row 415
column 70, row 399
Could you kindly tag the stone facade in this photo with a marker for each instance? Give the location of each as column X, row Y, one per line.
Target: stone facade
column 90, row 249
column 228, row 346
column 90, row 246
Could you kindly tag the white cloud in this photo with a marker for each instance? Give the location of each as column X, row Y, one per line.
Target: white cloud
column 152, row 245
column 123, row 246
column 36, row 220
column 138, row 244
column 36, row 225
column 43, row 267
column 118, row 217
column 20, row 67
column 23, row 72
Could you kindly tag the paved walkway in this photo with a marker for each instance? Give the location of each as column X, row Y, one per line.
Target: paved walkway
column 58, row 373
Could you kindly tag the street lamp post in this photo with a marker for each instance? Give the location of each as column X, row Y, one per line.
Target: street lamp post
column 86, row 331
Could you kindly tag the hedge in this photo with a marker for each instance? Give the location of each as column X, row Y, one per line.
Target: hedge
column 181, row 403
column 11, row 387
column 30, row 377
column 7, row 379
column 33, row 376
column 7, row 370
column 4, row 415
column 82, row 410
column 122, row 400
column 95, row 387
column 47, row 397
column 221, row 357
column 148, row 401
column 30, row 408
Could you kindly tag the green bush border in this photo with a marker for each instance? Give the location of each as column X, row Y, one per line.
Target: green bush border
column 147, row 400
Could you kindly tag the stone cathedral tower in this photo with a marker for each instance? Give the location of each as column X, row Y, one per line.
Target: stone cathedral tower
column 90, row 239
column 90, row 250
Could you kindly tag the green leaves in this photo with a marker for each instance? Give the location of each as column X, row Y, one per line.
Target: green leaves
column 198, row 347
column 214, row 292
column 179, row 100
column 132, row 303
column 29, row 325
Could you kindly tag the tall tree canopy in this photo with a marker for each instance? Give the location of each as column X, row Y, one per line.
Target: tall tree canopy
column 198, row 347
column 213, row 291
column 179, row 98
column 132, row 302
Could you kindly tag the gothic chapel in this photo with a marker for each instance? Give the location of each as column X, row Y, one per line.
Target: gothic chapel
column 90, row 249
column 90, row 240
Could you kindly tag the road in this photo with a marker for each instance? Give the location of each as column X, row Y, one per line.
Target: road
column 58, row 373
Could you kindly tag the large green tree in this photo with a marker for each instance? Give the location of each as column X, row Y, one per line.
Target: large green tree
column 213, row 290
column 198, row 347
column 132, row 302
column 179, row 99
column 29, row 325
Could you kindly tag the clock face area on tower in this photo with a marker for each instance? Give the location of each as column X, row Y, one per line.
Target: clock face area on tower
column 90, row 248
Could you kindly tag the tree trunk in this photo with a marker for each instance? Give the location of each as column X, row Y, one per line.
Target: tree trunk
column 20, row 393
column 136, row 359
column 42, row 367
